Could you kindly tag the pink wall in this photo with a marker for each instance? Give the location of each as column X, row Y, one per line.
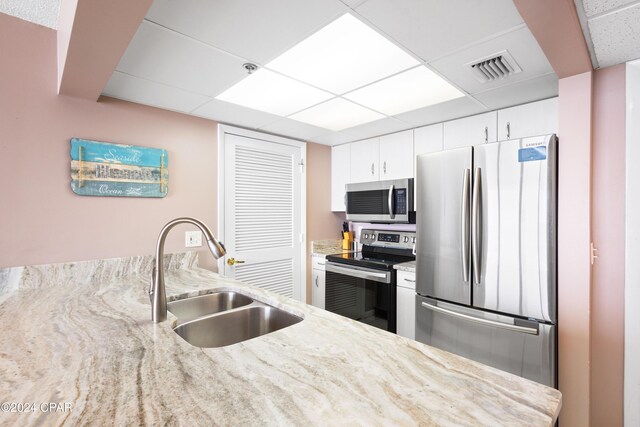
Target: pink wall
column 608, row 233
column 41, row 219
column 574, row 270
column 321, row 222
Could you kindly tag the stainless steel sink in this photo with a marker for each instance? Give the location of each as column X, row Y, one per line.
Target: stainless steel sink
column 195, row 307
column 235, row 326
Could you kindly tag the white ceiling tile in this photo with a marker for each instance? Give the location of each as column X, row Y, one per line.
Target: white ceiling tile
column 294, row 128
column 520, row 93
column 616, row 36
column 409, row 90
column 344, row 55
column 432, row 28
column 333, row 138
column 594, row 7
column 336, row 114
column 379, row 127
column 520, row 44
column 41, row 12
column 353, row 3
column 453, row 109
column 164, row 56
column 134, row 89
column 232, row 114
column 255, row 30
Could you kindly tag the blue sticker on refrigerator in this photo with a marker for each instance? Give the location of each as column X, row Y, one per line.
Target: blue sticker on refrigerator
column 532, row 154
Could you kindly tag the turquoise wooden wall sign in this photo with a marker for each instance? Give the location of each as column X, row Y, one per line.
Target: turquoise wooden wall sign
column 115, row 170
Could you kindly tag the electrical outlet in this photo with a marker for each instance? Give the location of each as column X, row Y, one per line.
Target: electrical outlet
column 192, row 239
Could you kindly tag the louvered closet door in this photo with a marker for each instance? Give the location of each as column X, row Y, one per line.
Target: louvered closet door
column 262, row 214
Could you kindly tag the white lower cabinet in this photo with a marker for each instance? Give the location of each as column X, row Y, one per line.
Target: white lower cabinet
column 317, row 282
column 405, row 304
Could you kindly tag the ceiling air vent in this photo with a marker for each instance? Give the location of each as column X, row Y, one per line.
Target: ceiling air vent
column 495, row 67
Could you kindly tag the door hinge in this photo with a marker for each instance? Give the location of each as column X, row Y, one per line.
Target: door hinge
column 301, row 164
column 593, row 255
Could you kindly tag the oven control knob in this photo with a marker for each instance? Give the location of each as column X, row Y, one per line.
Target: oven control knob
column 406, row 239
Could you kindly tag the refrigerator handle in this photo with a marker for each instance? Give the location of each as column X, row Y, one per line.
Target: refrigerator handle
column 476, row 226
column 509, row 326
column 464, row 225
column 390, row 201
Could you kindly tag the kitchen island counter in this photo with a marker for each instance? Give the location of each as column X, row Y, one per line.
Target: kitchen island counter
column 87, row 340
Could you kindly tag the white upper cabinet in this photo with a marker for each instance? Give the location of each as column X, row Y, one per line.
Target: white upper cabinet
column 340, row 172
column 365, row 156
column 396, row 155
column 536, row 118
column 427, row 139
column 470, row 131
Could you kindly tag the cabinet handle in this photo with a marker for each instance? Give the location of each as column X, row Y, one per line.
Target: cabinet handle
column 486, row 134
column 384, row 167
column 371, row 168
column 508, row 130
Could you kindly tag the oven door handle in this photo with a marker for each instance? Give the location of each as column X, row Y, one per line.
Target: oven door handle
column 361, row 273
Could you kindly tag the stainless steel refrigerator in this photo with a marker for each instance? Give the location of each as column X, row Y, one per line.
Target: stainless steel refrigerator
column 486, row 254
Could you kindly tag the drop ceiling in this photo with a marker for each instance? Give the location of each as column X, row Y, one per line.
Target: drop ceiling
column 612, row 30
column 187, row 53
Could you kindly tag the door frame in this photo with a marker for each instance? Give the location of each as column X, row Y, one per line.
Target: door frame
column 223, row 130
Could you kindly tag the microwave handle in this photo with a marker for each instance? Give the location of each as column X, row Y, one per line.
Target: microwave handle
column 392, row 213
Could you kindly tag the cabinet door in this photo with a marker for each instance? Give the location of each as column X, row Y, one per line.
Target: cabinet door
column 406, row 312
column 364, row 160
column 317, row 288
column 340, row 172
column 396, row 155
column 533, row 119
column 427, row 139
column 471, row 130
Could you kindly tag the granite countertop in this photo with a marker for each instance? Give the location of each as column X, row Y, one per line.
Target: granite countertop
column 406, row 266
column 84, row 337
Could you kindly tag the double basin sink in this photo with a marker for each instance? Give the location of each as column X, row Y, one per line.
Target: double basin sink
column 224, row 318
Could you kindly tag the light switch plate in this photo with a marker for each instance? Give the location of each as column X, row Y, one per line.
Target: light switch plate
column 192, row 239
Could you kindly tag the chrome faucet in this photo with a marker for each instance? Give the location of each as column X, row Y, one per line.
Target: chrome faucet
column 157, row 293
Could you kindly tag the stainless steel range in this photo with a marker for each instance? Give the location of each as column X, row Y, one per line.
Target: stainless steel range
column 362, row 285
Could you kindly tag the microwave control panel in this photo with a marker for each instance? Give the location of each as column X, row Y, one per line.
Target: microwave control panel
column 400, row 199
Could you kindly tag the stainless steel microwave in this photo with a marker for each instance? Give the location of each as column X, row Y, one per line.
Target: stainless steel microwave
column 381, row 201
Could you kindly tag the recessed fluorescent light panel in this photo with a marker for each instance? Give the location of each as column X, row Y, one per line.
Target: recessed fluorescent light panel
column 337, row 114
column 347, row 60
column 267, row 91
column 344, row 55
column 410, row 90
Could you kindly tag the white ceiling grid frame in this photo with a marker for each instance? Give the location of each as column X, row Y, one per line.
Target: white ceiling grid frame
column 613, row 27
column 337, row 114
column 394, row 95
column 521, row 45
column 148, row 92
column 186, row 19
column 244, row 27
column 343, row 56
column 273, row 93
column 159, row 54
